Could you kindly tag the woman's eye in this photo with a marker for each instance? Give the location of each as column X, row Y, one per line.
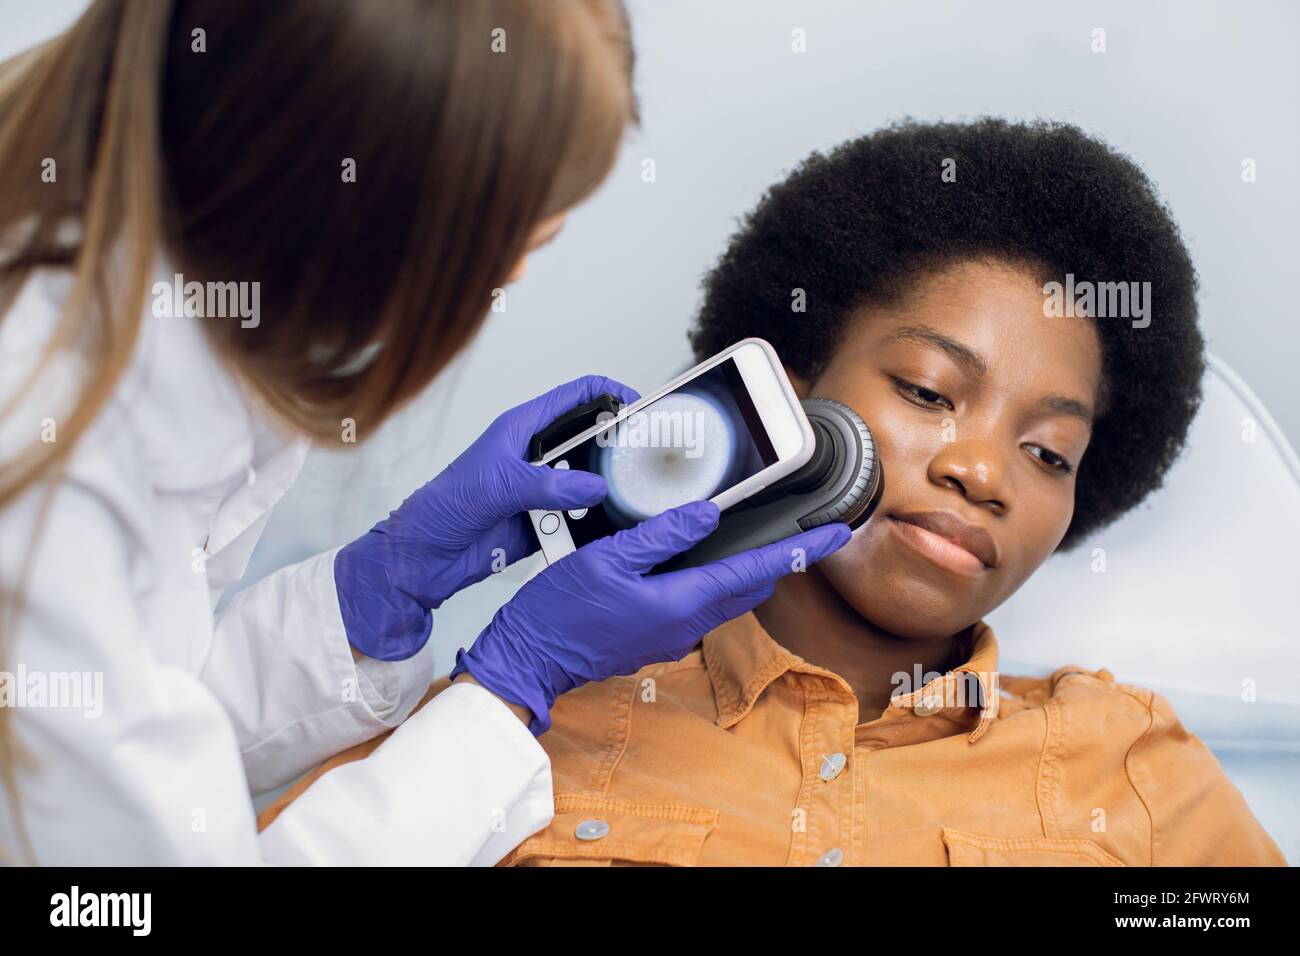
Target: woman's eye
column 926, row 397
column 1054, row 460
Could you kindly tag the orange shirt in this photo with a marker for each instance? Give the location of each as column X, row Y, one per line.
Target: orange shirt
column 745, row 754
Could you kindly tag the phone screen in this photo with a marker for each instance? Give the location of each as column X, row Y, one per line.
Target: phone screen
column 691, row 444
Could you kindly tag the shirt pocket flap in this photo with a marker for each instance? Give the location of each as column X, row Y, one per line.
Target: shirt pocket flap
column 591, row 830
column 972, row 849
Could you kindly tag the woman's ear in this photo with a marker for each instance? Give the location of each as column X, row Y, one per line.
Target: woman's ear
column 801, row 385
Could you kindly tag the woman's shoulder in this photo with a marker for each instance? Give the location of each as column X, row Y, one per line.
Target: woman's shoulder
column 1070, row 683
column 1090, row 709
column 1099, row 733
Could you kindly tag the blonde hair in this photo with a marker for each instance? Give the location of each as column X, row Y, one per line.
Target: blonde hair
column 468, row 121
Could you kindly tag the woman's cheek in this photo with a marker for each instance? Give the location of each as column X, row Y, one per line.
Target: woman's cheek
column 858, row 569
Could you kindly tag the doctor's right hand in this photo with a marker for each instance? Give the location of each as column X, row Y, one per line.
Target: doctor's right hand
column 459, row 527
column 596, row 614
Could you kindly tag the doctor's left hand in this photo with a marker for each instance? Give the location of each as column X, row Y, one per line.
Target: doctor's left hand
column 449, row 534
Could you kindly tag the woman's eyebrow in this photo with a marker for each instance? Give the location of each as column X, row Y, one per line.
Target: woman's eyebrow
column 974, row 363
column 1063, row 405
column 963, row 355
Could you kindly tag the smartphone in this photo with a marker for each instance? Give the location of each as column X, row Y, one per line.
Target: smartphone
column 723, row 430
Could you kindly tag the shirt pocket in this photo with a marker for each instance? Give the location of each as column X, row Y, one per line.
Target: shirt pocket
column 972, row 849
column 589, row 830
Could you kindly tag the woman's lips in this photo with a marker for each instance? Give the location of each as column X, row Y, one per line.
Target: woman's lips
column 946, row 554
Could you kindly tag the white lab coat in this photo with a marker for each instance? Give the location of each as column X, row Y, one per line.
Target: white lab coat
column 165, row 498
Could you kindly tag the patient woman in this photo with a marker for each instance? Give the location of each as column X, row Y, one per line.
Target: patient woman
column 858, row 717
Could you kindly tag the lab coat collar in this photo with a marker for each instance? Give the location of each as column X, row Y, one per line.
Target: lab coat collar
column 743, row 660
column 200, row 424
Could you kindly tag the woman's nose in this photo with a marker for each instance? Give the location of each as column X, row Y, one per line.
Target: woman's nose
column 976, row 469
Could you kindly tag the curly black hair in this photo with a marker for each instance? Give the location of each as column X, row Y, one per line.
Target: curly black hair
column 863, row 223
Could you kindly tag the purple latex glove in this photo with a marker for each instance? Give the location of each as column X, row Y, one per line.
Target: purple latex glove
column 444, row 535
column 594, row 613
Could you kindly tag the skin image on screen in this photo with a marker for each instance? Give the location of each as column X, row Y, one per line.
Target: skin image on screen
column 689, row 445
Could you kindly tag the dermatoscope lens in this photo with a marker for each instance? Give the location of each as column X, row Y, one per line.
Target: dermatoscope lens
column 678, row 451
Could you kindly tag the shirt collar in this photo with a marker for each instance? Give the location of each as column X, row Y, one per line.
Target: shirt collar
column 743, row 660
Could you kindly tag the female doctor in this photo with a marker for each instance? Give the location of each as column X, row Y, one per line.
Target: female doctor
column 347, row 184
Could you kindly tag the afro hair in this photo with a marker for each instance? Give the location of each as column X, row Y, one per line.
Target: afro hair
column 863, row 223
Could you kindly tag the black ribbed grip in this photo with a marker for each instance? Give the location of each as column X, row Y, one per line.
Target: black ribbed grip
column 853, row 431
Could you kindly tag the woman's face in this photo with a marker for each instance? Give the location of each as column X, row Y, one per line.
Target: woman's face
column 974, row 398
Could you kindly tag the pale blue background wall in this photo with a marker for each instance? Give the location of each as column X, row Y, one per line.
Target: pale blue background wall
column 1189, row 88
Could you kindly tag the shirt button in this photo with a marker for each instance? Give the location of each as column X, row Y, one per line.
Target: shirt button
column 591, row 830
column 832, row 765
column 831, row 858
column 928, row 706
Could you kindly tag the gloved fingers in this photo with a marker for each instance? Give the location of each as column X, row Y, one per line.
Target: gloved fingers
column 474, row 559
column 527, row 419
column 742, row 603
column 527, row 487
column 752, row 570
column 513, row 486
column 659, row 538
column 520, row 540
column 499, row 547
column 732, row 607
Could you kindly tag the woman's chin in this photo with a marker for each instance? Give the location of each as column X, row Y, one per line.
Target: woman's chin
column 894, row 597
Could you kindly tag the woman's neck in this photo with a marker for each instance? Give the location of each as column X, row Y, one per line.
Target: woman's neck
column 808, row 617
